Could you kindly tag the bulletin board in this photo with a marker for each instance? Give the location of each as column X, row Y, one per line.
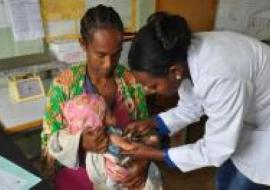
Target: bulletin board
column 200, row 14
column 9, row 47
column 62, row 18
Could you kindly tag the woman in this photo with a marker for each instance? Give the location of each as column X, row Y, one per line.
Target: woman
column 101, row 39
column 223, row 75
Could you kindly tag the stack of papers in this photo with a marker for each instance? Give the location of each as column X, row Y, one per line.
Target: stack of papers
column 68, row 51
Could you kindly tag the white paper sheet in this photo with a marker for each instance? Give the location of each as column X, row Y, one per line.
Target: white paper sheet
column 60, row 28
column 251, row 17
column 10, row 181
column 25, row 19
column 4, row 21
column 13, row 177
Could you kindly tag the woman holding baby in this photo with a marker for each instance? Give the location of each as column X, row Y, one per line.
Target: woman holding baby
column 74, row 155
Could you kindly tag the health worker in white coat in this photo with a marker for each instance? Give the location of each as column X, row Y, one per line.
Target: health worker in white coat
column 223, row 75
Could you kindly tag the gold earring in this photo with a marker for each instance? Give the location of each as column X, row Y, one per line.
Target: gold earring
column 178, row 77
column 145, row 88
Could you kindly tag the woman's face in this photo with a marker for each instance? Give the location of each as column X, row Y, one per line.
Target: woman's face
column 103, row 51
column 166, row 85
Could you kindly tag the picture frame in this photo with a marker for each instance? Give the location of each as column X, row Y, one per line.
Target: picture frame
column 25, row 87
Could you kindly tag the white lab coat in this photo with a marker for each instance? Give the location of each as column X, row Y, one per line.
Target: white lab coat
column 231, row 85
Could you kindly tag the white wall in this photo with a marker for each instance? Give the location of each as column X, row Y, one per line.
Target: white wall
column 124, row 53
column 144, row 9
column 251, row 17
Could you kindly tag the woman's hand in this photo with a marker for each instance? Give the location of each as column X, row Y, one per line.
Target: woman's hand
column 114, row 171
column 140, row 127
column 95, row 141
column 133, row 177
column 136, row 150
column 137, row 175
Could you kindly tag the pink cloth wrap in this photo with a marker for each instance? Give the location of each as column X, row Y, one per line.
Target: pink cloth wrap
column 84, row 111
column 89, row 110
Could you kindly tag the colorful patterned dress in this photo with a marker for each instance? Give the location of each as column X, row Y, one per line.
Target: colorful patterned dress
column 131, row 102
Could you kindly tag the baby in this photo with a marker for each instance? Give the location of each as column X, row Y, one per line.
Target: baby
column 90, row 111
column 84, row 110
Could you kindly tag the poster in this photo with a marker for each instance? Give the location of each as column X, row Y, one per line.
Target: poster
column 251, row 17
column 61, row 18
column 25, row 19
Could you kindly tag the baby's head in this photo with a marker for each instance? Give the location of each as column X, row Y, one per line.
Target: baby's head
column 84, row 111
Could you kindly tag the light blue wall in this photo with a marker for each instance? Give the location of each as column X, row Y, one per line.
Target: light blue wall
column 10, row 48
column 145, row 9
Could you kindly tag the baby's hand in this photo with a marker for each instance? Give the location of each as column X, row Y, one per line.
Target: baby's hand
column 140, row 128
column 113, row 170
column 121, row 142
column 95, row 141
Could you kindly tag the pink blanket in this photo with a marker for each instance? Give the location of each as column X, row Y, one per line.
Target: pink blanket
column 84, row 111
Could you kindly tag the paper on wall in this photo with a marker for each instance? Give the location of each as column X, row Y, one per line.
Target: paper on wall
column 4, row 21
column 246, row 16
column 61, row 18
column 62, row 9
column 259, row 25
column 25, row 19
column 60, row 28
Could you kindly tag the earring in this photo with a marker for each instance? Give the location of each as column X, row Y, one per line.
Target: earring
column 148, row 90
column 178, row 77
column 145, row 88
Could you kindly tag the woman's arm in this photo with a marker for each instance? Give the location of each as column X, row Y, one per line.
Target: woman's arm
column 225, row 105
column 137, row 150
column 226, row 101
column 187, row 111
column 56, row 141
